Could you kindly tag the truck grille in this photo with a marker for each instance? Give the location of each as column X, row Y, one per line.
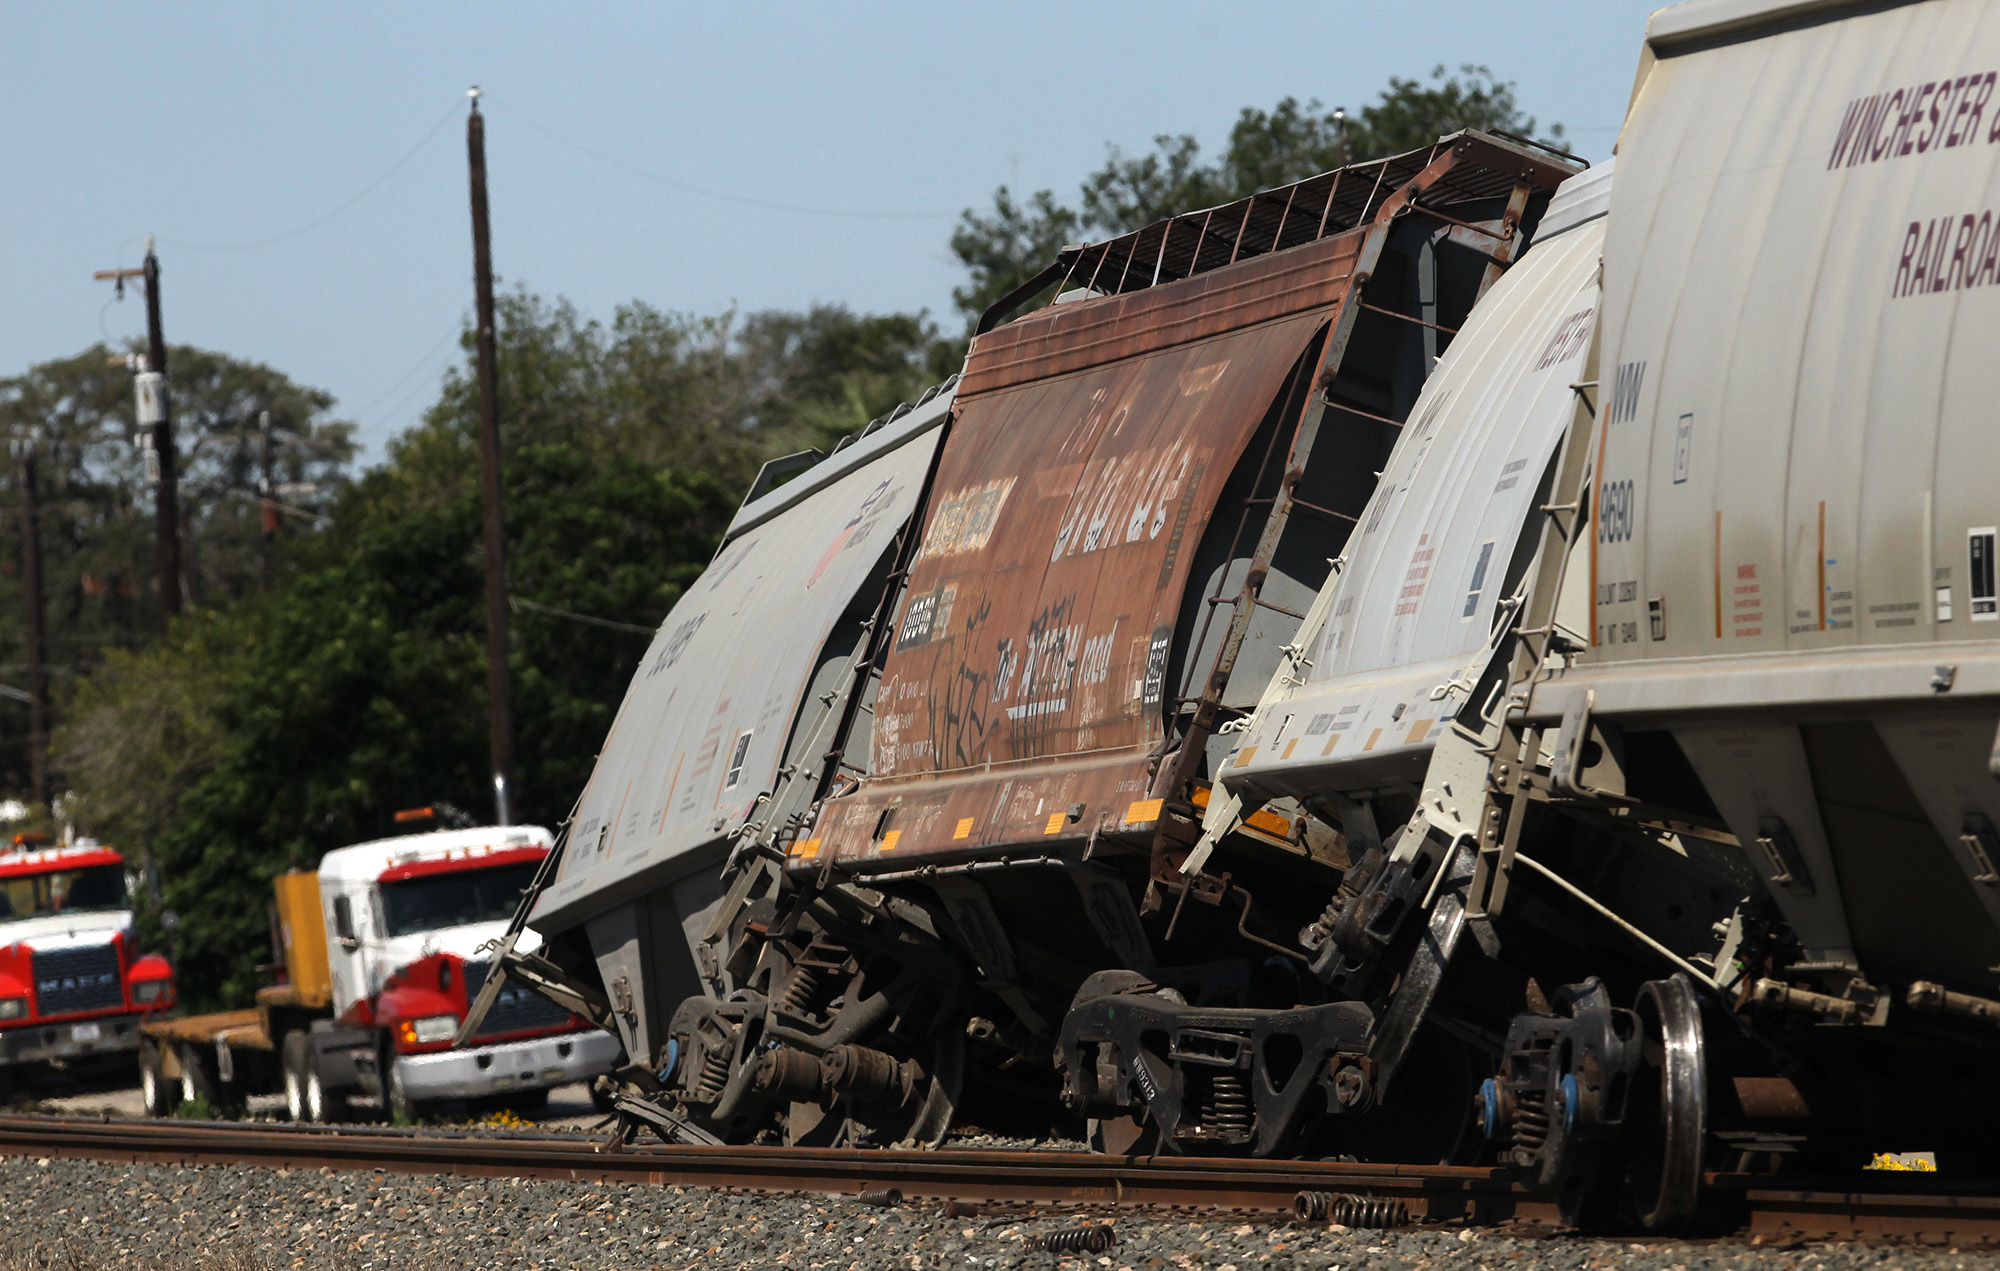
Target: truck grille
column 516, row 1010
column 77, row 979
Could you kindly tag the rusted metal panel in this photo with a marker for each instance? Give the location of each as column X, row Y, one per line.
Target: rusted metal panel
column 1069, row 337
column 1042, row 599
column 1023, row 700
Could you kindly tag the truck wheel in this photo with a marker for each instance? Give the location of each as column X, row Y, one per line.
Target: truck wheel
column 527, row 1102
column 159, row 1095
column 199, row 1080
column 295, row 1058
column 401, row 1106
column 322, row 1102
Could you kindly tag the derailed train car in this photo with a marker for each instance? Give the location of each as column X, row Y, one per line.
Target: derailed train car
column 727, row 732
column 1706, row 859
column 1617, row 802
column 1137, row 496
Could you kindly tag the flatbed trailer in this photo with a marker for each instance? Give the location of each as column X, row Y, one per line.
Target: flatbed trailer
column 223, row 1057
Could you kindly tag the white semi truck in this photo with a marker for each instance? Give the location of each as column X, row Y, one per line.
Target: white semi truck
column 382, row 954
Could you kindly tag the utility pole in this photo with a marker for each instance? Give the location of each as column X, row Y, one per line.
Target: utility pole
column 268, row 506
column 31, row 581
column 155, row 408
column 499, row 690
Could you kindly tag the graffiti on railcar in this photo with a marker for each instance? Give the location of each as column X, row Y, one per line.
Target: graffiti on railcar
column 959, row 721
column 1041, row 696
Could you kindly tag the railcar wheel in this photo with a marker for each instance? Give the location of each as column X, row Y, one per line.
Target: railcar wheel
column 1669, row 1103
column 322, row 1102
column 923, row 1116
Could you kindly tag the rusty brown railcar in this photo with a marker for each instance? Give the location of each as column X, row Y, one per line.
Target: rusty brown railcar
column 1256, row 365
column 1142, row 486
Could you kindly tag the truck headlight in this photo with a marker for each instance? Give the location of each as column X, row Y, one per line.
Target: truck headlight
column 429, row 1029
column 147, row 991
column 13, row 1007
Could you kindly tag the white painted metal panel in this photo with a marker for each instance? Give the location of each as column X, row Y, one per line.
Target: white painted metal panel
column 1412, row 611
column 734, row 670
column 1802, row 294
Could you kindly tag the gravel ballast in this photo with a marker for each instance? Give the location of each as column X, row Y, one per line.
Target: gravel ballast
column 79, row 1216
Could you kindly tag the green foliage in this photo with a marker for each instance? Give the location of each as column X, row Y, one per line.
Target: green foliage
column 268, row 731
column 1287, row 143
column 197, row 1109
column 365, row 690
column 145, row 725
column 97, row 523
column 717, row 395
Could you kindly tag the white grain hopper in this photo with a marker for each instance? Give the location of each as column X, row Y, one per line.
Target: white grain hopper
column 722, row 729
column 1445, row 539
column 1797, row 469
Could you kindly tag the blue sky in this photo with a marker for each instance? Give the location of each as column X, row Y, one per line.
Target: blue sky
column 304, row 166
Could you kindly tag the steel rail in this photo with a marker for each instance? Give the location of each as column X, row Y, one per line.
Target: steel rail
column 1893, row 1206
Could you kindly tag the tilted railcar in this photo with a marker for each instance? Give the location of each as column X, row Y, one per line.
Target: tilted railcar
column 1791, row 646
column 1622, row 810
column 728, row 730
column 1707, row 859
column 1388, row 657
column 1139, row 492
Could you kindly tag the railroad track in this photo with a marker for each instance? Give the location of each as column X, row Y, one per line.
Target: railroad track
column 1908, row 1207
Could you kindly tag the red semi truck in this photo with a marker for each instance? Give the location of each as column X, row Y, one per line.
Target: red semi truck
column 74, row 987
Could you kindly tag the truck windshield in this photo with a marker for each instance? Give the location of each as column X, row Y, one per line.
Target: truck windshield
column 63, row 891
column 436, row 901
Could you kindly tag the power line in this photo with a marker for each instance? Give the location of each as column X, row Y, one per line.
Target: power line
column 517, row 603
column 322, row 219
column 722, row 195
column 404, row 379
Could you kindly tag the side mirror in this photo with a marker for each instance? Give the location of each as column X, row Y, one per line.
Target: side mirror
column 343, row 923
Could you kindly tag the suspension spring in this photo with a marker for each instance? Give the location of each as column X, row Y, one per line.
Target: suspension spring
column 1349, row 1210
column 713, row 1077
column 1228, row 1111
column 801, row 994
column 1095, row 1238
column 1531, row 1123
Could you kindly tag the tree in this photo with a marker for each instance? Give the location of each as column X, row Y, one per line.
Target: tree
column 304, row 719
column 718, row 395
column 97, row 505
column 362, row 687
column 1287, row 143
column 146, row 725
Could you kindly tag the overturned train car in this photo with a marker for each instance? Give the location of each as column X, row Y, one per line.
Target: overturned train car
column 1137, row 496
